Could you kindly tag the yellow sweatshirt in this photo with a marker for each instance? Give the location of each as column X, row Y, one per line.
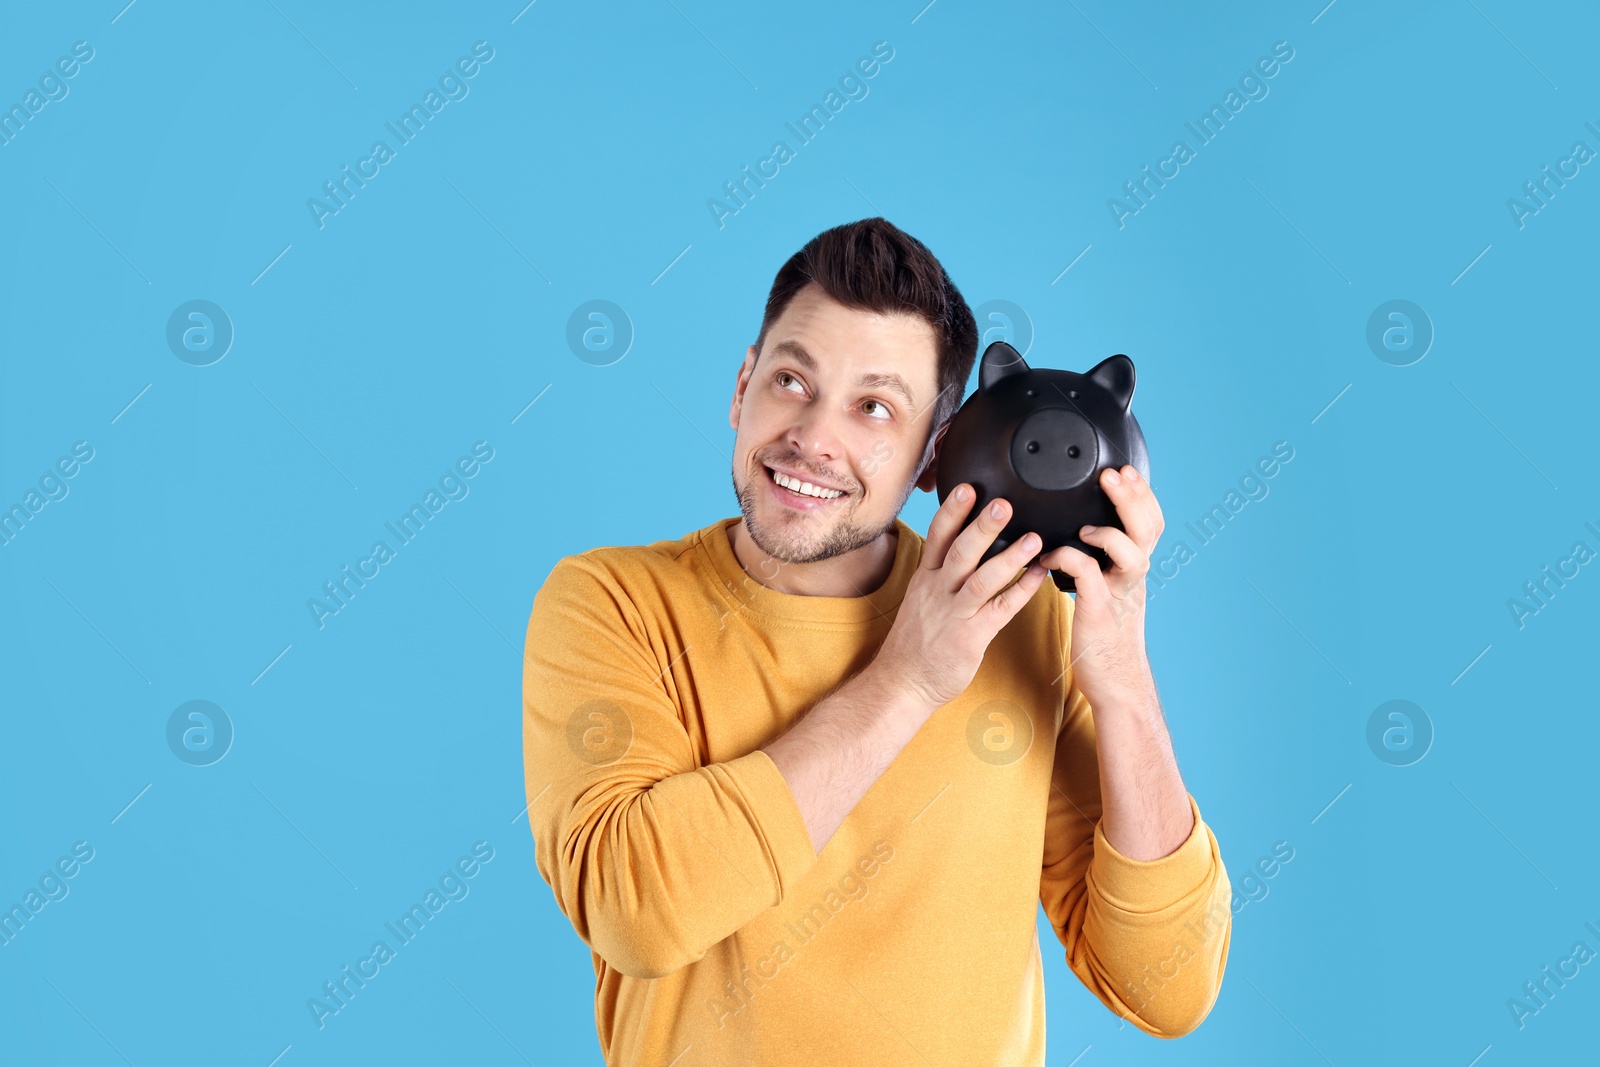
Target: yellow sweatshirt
column 654, row 674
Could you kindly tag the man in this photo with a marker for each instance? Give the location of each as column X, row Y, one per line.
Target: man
column 801, row 779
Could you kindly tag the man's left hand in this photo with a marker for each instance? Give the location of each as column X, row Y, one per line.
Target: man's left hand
column 1107, row 651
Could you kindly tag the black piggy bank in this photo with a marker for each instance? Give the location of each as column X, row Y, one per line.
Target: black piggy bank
column 1040, row 438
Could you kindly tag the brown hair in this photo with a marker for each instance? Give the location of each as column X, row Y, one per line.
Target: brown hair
column 873, row 265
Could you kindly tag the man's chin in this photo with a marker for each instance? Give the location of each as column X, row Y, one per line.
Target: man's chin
column 787, row 538
column 805, row 535
column 806, row 539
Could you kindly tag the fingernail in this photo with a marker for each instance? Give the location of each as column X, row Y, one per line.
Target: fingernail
column 1031, row 542
column 1133, row 474
column 997, row 509
column 963, row 494
column 1113, row 477
column 1088, row 530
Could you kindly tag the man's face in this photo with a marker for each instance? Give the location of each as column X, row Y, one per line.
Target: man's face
column 824, row 404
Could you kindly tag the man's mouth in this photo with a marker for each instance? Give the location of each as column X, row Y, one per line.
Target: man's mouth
column 799, row 493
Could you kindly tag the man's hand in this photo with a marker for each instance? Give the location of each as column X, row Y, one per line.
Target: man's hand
column 953, row 607
column 1107, row 651
column 951, row 611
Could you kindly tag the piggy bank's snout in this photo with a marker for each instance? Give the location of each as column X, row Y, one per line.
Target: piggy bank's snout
column 1054, row 449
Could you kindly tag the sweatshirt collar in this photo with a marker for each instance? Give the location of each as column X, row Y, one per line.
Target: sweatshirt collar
column 745, row 594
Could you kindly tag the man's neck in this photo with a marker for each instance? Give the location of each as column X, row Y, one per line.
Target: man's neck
column 855, row 573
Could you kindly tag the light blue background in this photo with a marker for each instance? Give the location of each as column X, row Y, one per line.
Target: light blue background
column 432, row 310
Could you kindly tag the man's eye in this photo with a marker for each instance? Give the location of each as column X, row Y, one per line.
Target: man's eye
column 781, row 375
column 875, row 404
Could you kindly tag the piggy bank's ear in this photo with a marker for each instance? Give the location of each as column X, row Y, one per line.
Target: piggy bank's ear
column 1000, row 361
column 1115, row 376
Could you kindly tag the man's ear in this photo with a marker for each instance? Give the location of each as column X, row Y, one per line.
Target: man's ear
column 745, row 370
column 928, row 480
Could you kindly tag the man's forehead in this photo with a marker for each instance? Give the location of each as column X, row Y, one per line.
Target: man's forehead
column 813, row 309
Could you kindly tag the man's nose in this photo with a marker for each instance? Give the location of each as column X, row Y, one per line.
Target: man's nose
column 816, row 435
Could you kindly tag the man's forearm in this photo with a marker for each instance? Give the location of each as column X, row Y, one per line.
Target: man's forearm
column 831, row 757
column 1144, row 805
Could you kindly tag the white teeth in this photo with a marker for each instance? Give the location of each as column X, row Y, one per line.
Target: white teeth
column 804, row 488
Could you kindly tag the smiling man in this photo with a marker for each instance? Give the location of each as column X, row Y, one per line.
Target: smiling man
column 802, row 778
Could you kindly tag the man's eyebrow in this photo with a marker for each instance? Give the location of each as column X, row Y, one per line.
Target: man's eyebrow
column 871, row 380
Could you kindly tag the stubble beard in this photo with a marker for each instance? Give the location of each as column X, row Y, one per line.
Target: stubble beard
column 796, row 541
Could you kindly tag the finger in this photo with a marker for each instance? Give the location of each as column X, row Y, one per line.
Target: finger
column 1128, row 557
column 1152, row 506
column 1084, row 568
column 995, row 575
column 1136, row 505
column 967, row 550
column 1016, row 596
column 947, row 522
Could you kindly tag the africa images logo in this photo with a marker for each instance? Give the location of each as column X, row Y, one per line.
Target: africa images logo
column 452, row 87
column 1253, row 85
column 852, row 83
column 339, row 592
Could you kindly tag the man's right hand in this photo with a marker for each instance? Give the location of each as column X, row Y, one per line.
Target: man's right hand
column 952, row 607
column 951, row 610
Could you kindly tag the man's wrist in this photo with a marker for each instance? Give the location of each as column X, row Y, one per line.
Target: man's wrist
column 886, row 689
column 1137, row 700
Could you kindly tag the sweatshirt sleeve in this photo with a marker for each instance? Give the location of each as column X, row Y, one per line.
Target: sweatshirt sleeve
column 652, row 856
column 1149, row 938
